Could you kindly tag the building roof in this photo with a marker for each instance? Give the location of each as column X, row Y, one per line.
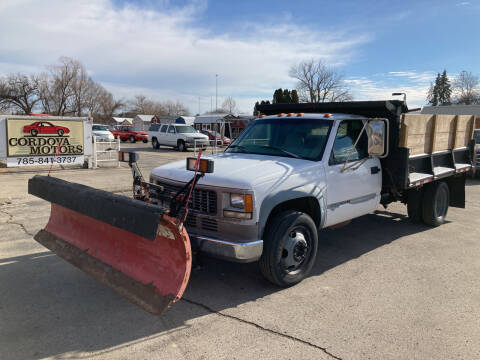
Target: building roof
column 145, row 118
column 212, row 118
column 452, row 110
column 120, row 120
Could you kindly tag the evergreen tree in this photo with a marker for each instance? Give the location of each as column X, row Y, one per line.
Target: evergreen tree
column 440, row 93
column 445, row 90
column 278, row 96
column 286, row 98
column 294, row 96
column 433, row 92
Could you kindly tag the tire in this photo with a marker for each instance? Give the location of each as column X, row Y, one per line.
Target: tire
column 155, row 144
column 132, row 139
column 145, row 141
column 285, row 259
column 60, row 132
column 435, row 203
column 181, row 146
column 415, row 205
column 34, row 132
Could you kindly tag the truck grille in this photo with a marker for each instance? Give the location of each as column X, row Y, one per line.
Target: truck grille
column 198, row 222
column 202, row 201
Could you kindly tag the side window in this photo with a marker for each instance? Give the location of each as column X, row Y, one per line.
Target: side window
column 164, row 128
column 347, row 135
column 171, row 129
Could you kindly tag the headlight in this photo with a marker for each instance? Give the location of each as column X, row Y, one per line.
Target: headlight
column 237, row 200
column 240, row 206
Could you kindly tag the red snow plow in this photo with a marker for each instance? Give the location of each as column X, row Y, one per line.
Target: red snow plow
column 139, row 249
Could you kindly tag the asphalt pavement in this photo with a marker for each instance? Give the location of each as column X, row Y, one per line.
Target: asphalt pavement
column 382, row 288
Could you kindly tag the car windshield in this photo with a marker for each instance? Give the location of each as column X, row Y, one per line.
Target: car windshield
column 100, row 128
column 289, row 137
column 185, row 129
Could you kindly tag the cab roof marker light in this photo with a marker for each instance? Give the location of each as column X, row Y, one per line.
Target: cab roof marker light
column 290, row 114
column 262, row 116
column 300, row 114
column 280, row 114
column 327, row 115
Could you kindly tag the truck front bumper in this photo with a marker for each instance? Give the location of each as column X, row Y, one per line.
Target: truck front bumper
column 233, row 251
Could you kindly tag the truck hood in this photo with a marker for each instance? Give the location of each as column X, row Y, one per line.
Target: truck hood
column 237, row 170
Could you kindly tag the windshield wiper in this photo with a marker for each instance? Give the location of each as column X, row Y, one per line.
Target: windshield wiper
column 282, row 150
column 238, row 147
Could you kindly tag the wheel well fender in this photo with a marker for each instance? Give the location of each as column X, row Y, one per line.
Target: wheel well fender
column 307, row 204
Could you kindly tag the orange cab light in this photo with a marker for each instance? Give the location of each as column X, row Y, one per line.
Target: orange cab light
column 248, row 203
column 280, row 114
column 327, row 115
column 290, row 114
column 300, row 114
column 262, row 116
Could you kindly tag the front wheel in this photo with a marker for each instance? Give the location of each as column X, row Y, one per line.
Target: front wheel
column 290, row 248
column 132, row 139
column 435, row 204
column 181, row 146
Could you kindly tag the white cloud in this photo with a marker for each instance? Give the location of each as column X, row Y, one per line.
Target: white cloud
column 164, row 53
column 381, row 86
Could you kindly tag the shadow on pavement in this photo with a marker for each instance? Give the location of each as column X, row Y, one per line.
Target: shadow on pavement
column 48, row 307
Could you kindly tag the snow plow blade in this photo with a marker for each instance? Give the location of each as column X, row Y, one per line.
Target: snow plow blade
column 129, row 245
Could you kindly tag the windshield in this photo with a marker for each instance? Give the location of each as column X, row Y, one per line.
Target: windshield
column 476, row 136
column 185, row 129
column 100, row 128
column 289, row 137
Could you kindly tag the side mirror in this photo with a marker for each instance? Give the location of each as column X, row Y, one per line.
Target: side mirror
column 377, row 132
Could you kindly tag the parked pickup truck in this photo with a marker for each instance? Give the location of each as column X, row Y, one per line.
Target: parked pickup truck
column 179, row 136
column 126, row 132
column 301, row 168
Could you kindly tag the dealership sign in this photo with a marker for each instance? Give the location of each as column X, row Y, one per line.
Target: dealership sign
column 46, row 141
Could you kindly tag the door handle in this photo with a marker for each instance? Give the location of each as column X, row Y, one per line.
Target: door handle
column 374, row 170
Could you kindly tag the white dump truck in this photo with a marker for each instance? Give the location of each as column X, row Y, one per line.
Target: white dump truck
column 306, row 167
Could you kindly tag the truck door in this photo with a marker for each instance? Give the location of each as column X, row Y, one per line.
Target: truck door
column 171, row 136
column 162, row 135
column 353, row 186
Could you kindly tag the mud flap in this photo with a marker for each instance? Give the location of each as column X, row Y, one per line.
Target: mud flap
column 131, row 246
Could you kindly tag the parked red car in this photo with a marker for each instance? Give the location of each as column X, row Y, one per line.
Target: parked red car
column 129, row 133
column 45, row 127
column 212, row 135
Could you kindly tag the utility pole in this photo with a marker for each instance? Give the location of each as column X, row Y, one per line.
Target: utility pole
column 199, row 105
column 216, row 92
column 211, row 104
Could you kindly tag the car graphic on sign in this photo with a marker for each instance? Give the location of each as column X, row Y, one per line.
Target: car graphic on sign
column 45, row 127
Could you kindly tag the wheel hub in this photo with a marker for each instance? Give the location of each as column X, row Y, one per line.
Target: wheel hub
column 295, row 250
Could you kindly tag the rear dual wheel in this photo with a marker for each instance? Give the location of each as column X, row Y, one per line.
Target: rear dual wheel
column 290, row 248
column 429, row 204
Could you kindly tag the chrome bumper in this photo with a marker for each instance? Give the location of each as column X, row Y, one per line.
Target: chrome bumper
column 228, row 250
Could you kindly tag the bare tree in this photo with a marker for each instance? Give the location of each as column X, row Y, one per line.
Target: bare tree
column 107, row 104
column 19, row 92
column 318, row 83
column 465, row 88
column 229, row 105
column 175, row 108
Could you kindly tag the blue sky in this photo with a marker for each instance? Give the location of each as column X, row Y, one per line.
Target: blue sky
column 172, row 49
